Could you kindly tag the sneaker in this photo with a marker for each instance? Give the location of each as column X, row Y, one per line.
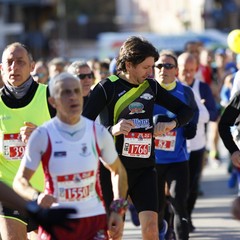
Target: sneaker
column 163, row 231
column 134, row 215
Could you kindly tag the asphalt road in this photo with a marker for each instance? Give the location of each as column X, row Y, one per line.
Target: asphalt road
column 212, row 217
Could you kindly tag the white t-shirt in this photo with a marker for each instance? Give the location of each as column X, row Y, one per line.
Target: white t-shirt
column 199, row 141
column 70, row 161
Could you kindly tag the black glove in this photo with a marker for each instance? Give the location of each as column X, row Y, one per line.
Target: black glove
column 49, row 217
column 189, row 130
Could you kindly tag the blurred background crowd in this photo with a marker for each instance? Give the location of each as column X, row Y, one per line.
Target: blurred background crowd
column 59, row 32
column 96, row 28
column 84, row 37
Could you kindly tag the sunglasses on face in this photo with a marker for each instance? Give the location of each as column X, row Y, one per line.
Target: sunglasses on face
column 83, row 76
column 165, row 65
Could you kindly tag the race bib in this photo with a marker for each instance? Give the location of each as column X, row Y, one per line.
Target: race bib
column 76, row 187
column 166, row 142
column 137, row 145
column 12, row 147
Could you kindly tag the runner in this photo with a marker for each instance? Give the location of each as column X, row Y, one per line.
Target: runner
column 125, row 104
column 69, row 147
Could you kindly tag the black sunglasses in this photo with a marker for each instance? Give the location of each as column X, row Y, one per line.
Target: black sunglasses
column 83, row 76
column 165, row 65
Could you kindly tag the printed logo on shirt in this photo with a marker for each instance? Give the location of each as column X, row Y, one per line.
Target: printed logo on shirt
column 147, row 96
column 136, row 108
column 141, row 123
column 60, row 154
column 121, row 93
column 84, row 150
column 3, row 118
column 76, row 178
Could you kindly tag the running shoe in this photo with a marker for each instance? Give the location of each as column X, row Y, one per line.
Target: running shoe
column 163, row 231
column 134, row 215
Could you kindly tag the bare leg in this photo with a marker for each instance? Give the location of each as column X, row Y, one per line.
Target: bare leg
column 149, row 224
column 12, row 229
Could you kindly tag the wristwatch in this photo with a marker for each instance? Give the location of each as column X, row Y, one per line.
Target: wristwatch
column 35, row 196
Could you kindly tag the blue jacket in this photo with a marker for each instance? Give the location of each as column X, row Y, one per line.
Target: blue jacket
column 173, row 147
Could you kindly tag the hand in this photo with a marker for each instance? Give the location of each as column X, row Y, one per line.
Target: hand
column 163, row 127
column 48, row 218
column 26, row 131
column 115, row 226
column 236, row 159
column 124, row 126
column 45, row 200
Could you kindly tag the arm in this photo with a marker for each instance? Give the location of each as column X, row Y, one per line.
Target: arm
column 22, row 184
column 120, row 186
column 28, row 166
column 47, row 218
column 11, row 198
column 228, row 120
column 111, row 161
column 190, row 129
column 208, row 100
column 91, row 109
column 184, row 113
column 119, row 179
column 204, row 115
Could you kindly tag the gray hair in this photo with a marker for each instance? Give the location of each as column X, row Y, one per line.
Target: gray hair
column 64, row 76
column 76, row 65
column 20, row 45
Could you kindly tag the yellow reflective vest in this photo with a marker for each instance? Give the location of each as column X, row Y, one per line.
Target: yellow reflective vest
column 11, row 147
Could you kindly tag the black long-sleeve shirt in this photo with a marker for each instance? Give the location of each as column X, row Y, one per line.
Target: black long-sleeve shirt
column 229, row 119
column 118, row 99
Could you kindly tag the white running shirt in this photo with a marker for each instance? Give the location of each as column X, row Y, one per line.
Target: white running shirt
column 70, row 161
